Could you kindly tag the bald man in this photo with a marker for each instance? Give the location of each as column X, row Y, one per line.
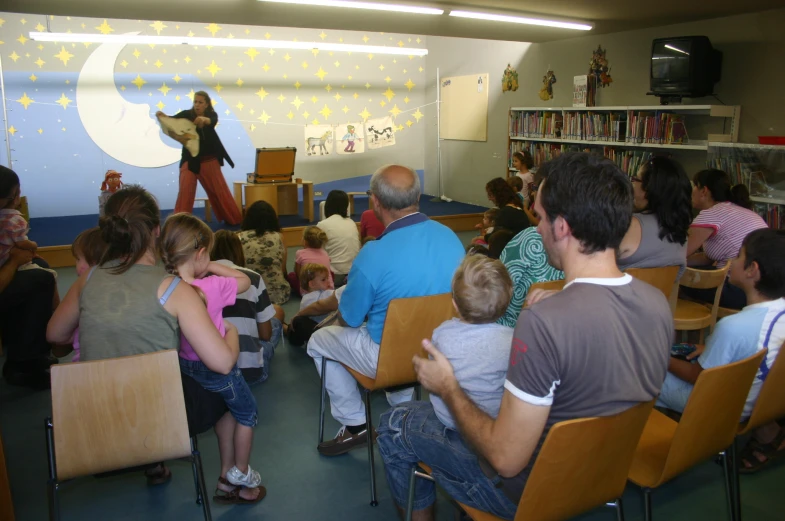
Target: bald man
column 414, row 257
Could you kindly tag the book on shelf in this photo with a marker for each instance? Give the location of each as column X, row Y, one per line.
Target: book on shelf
column 535, row 124
column 655, row 127
column 628, row 160
column 594, row 126
column 772, row 213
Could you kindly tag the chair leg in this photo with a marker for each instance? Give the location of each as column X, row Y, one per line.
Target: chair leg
column 321, row 404
column 730, row 469
column 418, row 392
column 201, row 486
column 369, row 421
column 410, row 500
column 194, row 452
column 619, row 510
column 647, row 504
column 52, row 485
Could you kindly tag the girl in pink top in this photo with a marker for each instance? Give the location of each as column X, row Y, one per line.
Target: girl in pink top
column 184, row 246
column 313, row 252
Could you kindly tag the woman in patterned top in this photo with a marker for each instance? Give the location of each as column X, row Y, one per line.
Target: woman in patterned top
column 264, row 250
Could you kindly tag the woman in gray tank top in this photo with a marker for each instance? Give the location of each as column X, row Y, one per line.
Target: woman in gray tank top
column 129, row 305
column 657, row 236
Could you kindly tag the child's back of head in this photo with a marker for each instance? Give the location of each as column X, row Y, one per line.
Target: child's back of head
column 314, row 237
column 516, row 183
column 766, row 248
column 182, row 237
column 88, row 249
column 481, row 289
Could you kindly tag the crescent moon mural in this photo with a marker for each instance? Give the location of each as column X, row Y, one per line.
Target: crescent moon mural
column 126, row 131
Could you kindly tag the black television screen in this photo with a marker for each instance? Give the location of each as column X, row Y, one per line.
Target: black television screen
column 671, row 61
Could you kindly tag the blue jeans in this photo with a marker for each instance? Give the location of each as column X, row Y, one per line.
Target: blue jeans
column 232, row 387
column 412, row 433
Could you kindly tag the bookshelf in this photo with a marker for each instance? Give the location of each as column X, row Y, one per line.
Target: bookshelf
column 762, row 169
column 628, row 135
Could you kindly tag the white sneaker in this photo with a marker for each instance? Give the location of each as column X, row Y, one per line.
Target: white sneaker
column 251, row 479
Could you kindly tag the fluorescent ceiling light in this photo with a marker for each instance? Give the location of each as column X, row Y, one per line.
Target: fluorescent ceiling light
column 521, row 20
column 362, row 5
column 672, row 48
column 141, row 39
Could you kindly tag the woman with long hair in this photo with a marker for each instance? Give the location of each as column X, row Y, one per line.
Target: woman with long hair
column 206, row 166
column 264, row 250
column 343, row 241
column 511, row 215
column 657, row 236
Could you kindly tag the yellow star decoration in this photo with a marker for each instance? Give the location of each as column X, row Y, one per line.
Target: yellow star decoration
column 389, row 94
column 409, row 84
column 122, row 88
column 420, row 69
column 11, row 130
column 367, row 85
column 160, row 105
column 239, row 105
column 213, row 68
column 262, row 93
column 265, row 67
column 158, row 26
column 33, row 77
column 395, row 111
column 177, row 78
column 267, row 35
column 253, row 127
column 240, row 64
column 213, row 28
column 230, row 36
column 158, row 63
column 264, row 117
column 345, row 109
column 328, row 88
column 25, row 100
column 39, row 62
column 286, row 76
column 290, row 115
column 227, row 112
column 177, row 98
column 381, row 67
column 382, row 103
column 365, row 114
column 406, row 99
column 218, row 87
column 349, row 77
column 355, row 95
column 164, row 89
column 136, row 53
column 187, row 59
column 306, row 115
column 321, row 73
column 388, row 79
column 304, row 65
column 40, row 28
column 63, row 101
column 337, row 63
column 418, row 40
column 138, row 82
column 14, row 56
column 315, row 121
column 399, row 128
column 322, row 35
column 370, row 56
column 315, row 52
column 297, row 102
column 105, row 28
column 40, row 131
column 271, row 52
column 287, row 57
column 22, row 39
column 191, row 34
column 239, row 82
column 297, row 85
column 400, row 43
column 124, row 64
column 365, row 38
column 252, row 112
column 247, row 31
column 63, row 129
column 22, row 21
column 417, row 115
column 251, row 53
column 395, row 60
column 409, row 123
column 281, row 98
column 314, row 99
column 325, row 112
column 337, row 96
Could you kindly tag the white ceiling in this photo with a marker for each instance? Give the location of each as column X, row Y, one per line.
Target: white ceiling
column 606, row 15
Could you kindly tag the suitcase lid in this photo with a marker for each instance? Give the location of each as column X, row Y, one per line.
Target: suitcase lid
column 275, row 161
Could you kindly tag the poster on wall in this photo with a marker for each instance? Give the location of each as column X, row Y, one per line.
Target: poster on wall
column 464, row 108
column 380, row 132
column 352, row 140
column 579, row 85
column 318, row 139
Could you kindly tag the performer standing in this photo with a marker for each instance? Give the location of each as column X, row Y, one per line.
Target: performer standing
column 206, row 166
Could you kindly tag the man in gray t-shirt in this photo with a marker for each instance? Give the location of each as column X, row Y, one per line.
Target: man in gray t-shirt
column 595, row 349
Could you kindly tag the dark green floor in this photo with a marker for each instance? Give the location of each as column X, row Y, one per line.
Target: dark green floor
column 302, row 485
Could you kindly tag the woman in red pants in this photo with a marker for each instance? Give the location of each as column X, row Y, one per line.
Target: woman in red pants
column 205, row 167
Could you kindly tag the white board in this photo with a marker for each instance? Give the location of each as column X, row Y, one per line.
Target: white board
column 464, row 108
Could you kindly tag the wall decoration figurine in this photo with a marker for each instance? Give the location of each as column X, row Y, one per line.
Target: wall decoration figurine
column 318, row 139
column 353, row 141
column 110, row 185
column 546, row 92
column 598, row 67
column 509, row 79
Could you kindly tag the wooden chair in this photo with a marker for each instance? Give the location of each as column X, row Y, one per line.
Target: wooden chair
column 691, row 316
column 115, row 414
column 208, row 211
column 707, row 427
column 664, row 279
column 582, row 464
column 408, row 321
column 6, row 505
column 551, row 285
column 769, row 406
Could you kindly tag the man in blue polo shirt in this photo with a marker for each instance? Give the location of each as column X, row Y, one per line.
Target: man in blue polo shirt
column 412, row 258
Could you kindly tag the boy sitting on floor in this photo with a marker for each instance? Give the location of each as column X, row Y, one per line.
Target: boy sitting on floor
column 760, row 272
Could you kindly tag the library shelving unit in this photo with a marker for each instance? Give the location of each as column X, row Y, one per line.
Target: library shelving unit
column 628, row 135
column 761, row 168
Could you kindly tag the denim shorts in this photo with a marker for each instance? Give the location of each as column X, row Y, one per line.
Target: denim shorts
column 231, row 387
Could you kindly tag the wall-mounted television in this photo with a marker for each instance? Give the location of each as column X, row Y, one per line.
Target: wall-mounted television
column 684, row 66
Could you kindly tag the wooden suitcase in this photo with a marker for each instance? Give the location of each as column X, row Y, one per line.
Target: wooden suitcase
column 273, row 165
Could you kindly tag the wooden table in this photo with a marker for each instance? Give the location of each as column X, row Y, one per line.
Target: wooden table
column 281, row 196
